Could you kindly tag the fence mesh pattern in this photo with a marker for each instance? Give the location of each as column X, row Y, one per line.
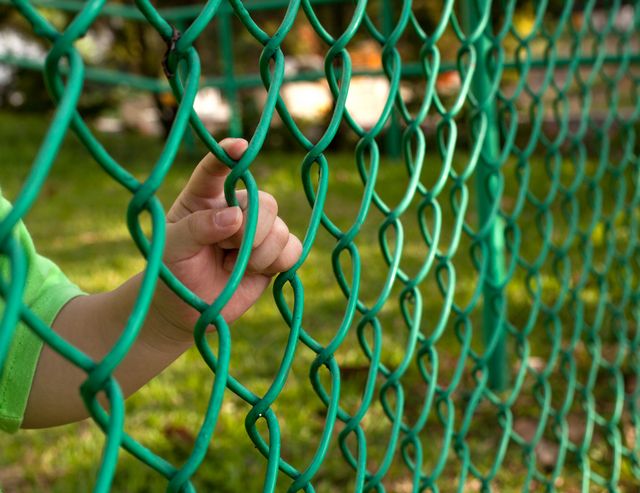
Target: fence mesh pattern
column 515, row 317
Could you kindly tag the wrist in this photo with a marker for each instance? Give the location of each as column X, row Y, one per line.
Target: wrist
column 163, row 330
column 159, row 331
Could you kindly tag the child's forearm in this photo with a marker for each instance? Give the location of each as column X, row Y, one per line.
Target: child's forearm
column 93, row 324
column 203, row 236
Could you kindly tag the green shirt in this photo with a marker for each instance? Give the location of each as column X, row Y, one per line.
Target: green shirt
column 46, row 291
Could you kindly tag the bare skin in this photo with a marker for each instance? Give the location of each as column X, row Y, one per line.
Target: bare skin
column 203, row 235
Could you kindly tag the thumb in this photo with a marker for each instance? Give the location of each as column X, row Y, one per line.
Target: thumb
column 207, row 181
column 192, row 233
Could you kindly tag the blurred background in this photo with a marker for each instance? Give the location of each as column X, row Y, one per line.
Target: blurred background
column 78, row 221
column 126, row 89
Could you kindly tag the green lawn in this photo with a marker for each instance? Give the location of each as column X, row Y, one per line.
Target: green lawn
column 79, row 222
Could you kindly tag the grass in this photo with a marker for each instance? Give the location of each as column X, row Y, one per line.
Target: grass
column 78, row 221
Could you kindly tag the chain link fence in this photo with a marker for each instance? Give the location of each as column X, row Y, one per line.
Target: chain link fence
column 497, row 336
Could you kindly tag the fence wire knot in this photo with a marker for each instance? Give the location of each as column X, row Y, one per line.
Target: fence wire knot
column 171, row 46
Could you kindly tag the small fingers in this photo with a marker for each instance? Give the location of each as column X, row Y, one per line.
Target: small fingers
column 207, row 181
column 289, row 255
column 190, row 234
column 267, row 213
column 268, row 251
column 278, row 253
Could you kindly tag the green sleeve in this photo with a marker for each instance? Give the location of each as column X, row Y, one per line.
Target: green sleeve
column 46, row 292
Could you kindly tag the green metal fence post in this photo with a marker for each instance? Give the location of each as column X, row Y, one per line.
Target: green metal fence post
column 394, row 133
column 487, row 194
column 225, row 36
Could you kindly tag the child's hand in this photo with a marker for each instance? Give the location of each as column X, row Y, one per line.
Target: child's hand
column 203, row 237
column 200, row 251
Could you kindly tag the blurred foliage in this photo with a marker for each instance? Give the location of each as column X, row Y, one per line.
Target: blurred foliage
column 134, row 47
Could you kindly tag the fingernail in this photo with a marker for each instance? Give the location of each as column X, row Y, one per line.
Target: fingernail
column 227, row 217
column 235, row 147
column 233, row 140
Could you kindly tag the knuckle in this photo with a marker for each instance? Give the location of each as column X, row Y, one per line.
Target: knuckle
column 289, row 256
column 268, row 202
column 297, row 247
column 281, row 231
column 192, row 225
column 295, row 252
